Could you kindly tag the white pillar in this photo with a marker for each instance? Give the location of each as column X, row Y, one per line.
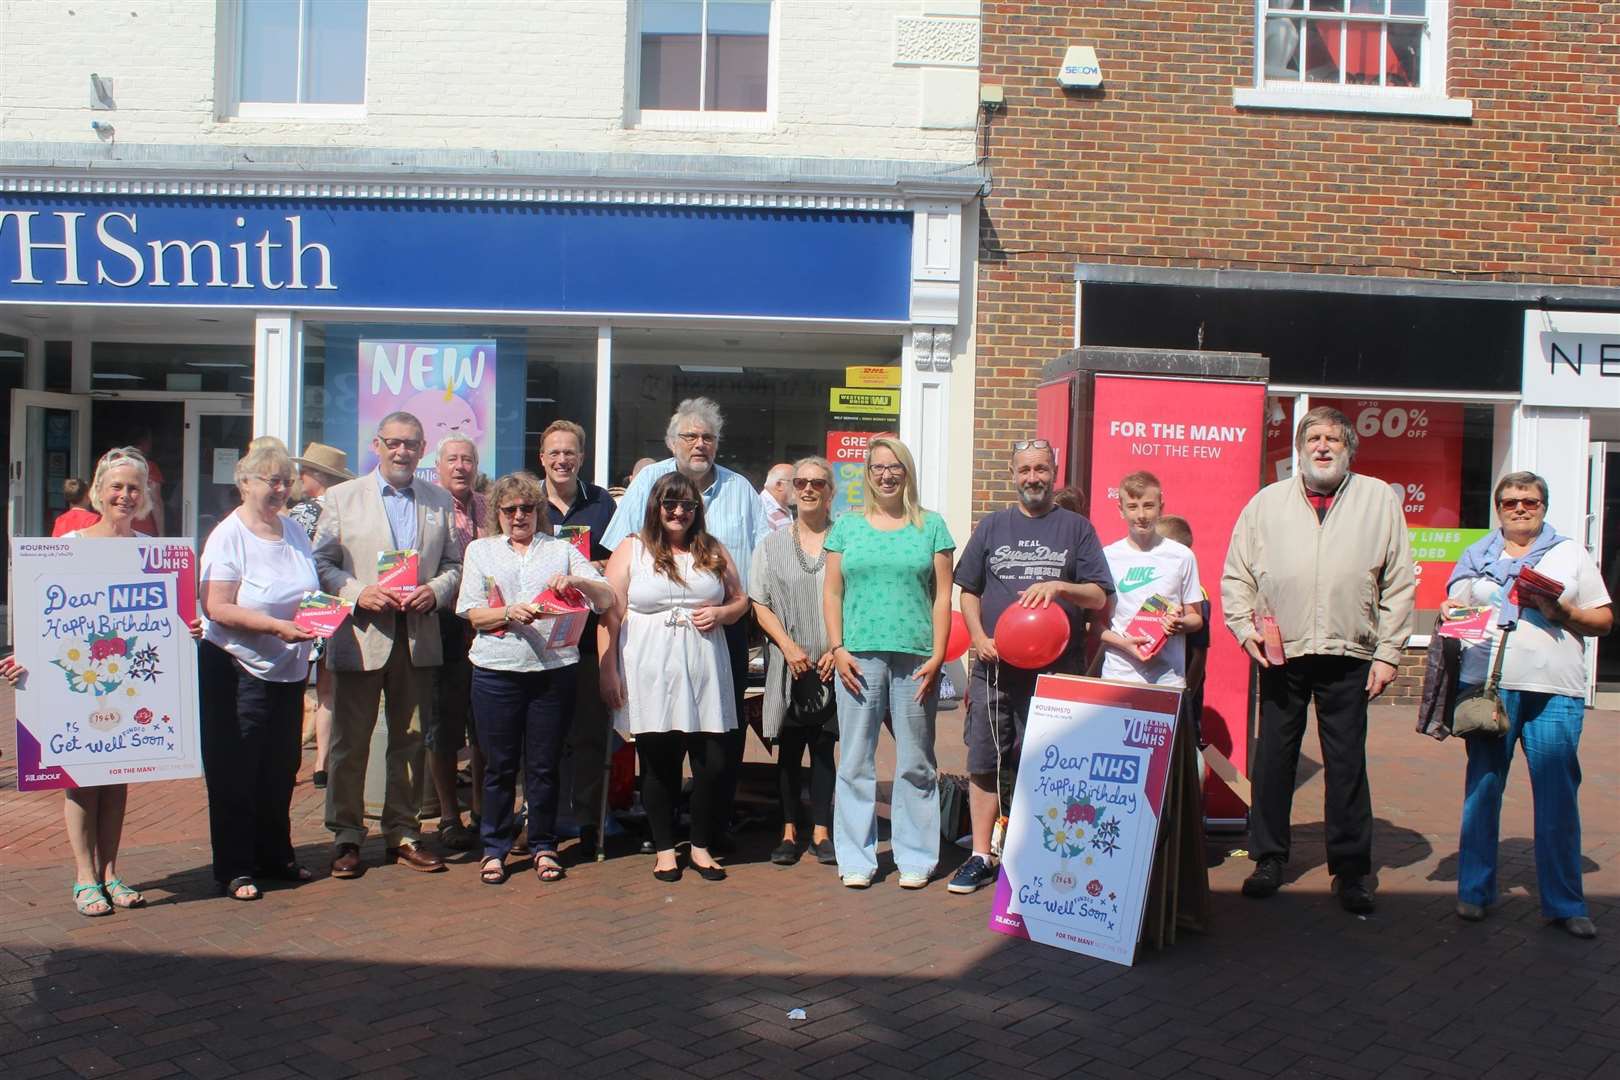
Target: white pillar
column 79, row 379
column 925, row 380
column 34, row 364
column 278, row 376
column 1552, row 442
column 602, row 436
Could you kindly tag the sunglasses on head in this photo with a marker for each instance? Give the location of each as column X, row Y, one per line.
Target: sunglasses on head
column 816, row 482
column 683, row 505
column 1031, row 444
column 518, row 508
column 1514, row 504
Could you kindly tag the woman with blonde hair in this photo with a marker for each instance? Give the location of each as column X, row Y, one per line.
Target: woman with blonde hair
column 887, row 605
column 120, row 493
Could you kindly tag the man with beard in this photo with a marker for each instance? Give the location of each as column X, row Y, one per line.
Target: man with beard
column 1325, row 554
column 1030, row 554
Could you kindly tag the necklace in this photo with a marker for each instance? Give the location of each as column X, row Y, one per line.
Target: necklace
column 804, row 560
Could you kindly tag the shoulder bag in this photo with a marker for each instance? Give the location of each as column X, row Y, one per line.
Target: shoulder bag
column 1479, row 712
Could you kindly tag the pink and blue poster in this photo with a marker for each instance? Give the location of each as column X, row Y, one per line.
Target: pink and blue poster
column 448, row 385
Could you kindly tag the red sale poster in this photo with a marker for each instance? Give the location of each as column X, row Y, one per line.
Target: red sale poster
column 1414, row 447
column 1203, row 439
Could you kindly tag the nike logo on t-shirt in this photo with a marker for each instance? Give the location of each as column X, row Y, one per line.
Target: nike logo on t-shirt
column 1135, row 578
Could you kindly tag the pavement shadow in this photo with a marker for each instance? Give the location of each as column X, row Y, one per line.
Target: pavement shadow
column 1394, row 846
column 1515, row 865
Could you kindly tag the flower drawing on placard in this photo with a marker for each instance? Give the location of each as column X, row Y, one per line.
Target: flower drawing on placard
column 1067, row 828
column 1107, row 838
column 99, row 664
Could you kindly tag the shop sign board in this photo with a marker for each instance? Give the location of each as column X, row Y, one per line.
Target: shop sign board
column 1435, row 553
column 846, row 450
column 1572, row 359
column 1085, row 815
column 861, row 401
column 1413, row 446
column 1203, row 439
column 111, row 691
column 868, row 376
column 448, row 385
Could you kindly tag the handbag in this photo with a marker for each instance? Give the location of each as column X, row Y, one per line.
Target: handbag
column 810, row 701
column 1479, row 712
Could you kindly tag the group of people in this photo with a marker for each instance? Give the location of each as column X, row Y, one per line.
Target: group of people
column 855, row 615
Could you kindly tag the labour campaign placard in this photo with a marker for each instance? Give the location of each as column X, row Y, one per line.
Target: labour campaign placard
column 1085, row 815
column 111, row 691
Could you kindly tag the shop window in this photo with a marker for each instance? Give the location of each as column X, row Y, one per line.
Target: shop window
column 1441, row 457
column 784, row 395
column 12, row 361
column 704, row 56
column 1352, row 55
column 126, row 366
column 304, row 56
column 499, row 384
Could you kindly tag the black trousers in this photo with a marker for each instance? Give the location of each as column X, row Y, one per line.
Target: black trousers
column 522, row 719
column 736, row 742
column 1338, row 687
column 252, row 732
column 791, row 744
column 661, row 756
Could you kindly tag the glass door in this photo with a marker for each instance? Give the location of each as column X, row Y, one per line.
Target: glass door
column 217, row 436
column 50, row 441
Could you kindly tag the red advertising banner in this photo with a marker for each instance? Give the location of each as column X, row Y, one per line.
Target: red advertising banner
column 1052, row 423
column 1203, row 439
column 846, row 450
column 1414, row 447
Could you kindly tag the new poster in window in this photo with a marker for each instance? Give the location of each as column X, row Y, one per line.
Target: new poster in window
column 448, row 385
column 111, row 691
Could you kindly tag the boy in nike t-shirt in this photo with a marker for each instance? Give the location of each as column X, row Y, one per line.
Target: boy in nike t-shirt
column 1145, row 564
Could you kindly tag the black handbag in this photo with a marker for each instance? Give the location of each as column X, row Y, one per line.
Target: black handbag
column 1479, row 712
column 810, row 701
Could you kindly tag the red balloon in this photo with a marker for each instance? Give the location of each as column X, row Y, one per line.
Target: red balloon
column 1032, row 637
column 958, row 642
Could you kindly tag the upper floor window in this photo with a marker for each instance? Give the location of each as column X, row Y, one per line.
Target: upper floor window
column 705, row 55
column 299, row 56
column 1352, row 56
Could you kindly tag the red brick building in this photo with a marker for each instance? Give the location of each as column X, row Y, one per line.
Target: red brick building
column 1408, row 206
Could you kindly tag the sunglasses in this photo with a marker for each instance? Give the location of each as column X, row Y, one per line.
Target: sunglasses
column 1031, row 444
column 1514, row 504
column 684, row 506
column 526, row 509
column 815, row 482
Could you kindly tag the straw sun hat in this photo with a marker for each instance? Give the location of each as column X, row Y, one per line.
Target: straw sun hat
column 328, row 460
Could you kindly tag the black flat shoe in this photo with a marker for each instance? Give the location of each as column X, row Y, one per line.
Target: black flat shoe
column 673, row 874
column 786, row 853
column 710, row 873
column 824, row 853
column 319, row 779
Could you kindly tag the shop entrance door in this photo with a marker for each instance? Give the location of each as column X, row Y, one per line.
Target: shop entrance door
column 1603, row 506
column 216, row 437
column 50, row 441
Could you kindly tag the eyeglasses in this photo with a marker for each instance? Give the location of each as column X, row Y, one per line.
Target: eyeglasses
column 1514, row 504
column 1031, row 444
column 692, row 437
column 275, row 482
column 526, row 509
column 685, row 506
column 887, row 470
column 816, row 482
column 395, row 444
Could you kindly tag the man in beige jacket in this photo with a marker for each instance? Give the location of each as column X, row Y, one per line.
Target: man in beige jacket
column 390, row 647
column 1325, row 553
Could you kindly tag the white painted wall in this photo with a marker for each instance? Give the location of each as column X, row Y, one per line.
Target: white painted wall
column 497, row 75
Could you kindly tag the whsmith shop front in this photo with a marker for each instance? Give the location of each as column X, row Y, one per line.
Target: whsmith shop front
column 187, row 312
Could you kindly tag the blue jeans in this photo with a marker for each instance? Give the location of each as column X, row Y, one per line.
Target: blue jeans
column 891, row 687
column 1550, row 727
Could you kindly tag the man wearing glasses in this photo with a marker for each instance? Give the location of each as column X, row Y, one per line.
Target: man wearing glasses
column 390, row 649
column 1031, row 554
column 1322, row 562
column 732, row 514
column 581, row 512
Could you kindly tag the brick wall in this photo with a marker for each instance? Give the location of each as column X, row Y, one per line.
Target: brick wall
column 1158, row 167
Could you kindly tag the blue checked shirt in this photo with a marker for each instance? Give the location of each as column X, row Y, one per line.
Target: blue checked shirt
column 731, row 512
column 400, row 506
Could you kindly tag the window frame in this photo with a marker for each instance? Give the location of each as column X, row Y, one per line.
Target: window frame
column 1428, row 98
column 228, row 50
column 698, row 119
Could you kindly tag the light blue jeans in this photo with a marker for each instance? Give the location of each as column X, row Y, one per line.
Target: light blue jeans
column 891, row 687
column 1549, row 725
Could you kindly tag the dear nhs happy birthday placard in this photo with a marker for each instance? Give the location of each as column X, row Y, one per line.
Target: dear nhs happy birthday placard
column 1085, row 815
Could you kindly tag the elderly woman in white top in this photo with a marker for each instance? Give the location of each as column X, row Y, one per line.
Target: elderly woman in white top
column 254, row 662
column 522, row 686
column 120, row 491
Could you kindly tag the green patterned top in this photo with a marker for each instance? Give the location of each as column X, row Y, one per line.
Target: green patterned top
column 889, row 582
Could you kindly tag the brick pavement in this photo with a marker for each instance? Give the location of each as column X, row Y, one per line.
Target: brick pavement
column 612, row 973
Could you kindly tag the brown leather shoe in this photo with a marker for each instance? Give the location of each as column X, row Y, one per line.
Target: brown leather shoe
column 414, row 856
column 346, row 863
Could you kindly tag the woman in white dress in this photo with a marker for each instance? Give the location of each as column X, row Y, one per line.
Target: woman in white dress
column 665, row 671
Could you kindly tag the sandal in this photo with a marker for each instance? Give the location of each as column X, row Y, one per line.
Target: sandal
column 235, row 885
column 547, row 868
column 122, row 895
column 292, row 871
column 493, row 871
column 86, row 897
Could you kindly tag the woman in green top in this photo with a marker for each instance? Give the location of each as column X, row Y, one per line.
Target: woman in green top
column 887, row 605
